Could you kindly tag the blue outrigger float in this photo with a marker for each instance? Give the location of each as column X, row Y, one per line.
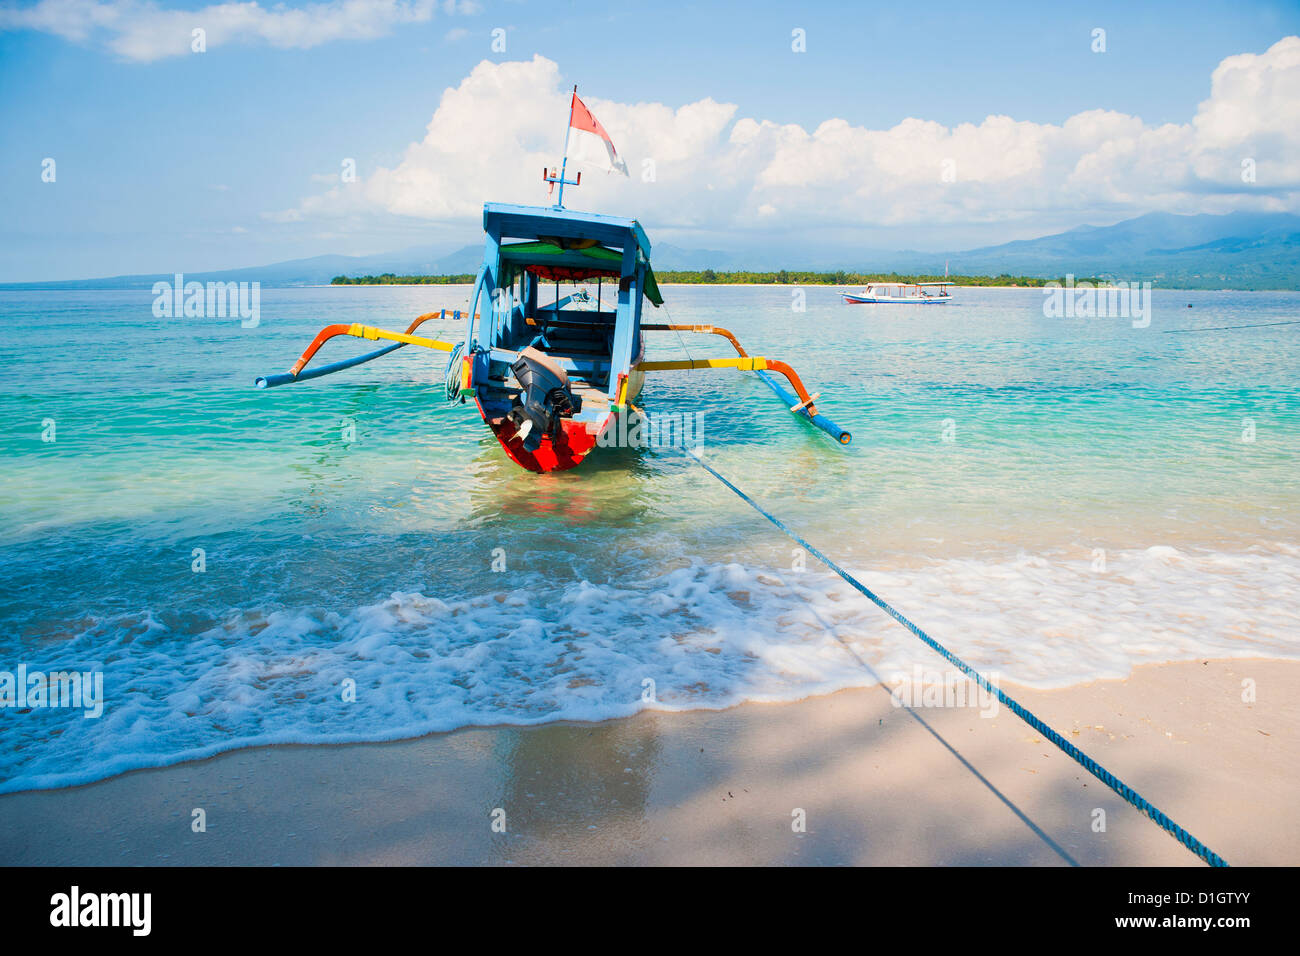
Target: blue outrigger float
column 553, row 379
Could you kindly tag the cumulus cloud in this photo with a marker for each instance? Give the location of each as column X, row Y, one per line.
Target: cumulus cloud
column 701, row 166
column 142, row 31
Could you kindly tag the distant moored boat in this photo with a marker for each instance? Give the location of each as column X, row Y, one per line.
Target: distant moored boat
column 904, row 293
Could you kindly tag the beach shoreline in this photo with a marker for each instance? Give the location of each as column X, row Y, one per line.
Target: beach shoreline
column 871, row 783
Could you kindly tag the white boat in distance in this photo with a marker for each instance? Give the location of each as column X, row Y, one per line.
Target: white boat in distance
column 900, row 292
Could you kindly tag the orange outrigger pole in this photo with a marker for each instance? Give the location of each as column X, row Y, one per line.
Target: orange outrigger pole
column 745, row 363
column 800, row 402
column 296, row 374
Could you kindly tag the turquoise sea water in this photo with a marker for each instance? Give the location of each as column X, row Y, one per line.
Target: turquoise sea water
column 1111, row 496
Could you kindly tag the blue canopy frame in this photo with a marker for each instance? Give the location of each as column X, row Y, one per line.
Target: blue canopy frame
column 504, row 321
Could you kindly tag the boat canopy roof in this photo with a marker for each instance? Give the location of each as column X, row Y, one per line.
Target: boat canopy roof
column 539, row 222
column 567, row 246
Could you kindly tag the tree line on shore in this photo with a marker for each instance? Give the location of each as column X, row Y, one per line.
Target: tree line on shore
column 712, row 277
column 796, row 277
column 389, row 279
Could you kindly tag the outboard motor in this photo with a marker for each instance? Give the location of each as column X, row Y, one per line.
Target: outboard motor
column 545, row 398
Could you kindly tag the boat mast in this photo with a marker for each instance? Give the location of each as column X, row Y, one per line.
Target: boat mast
column 564, row 163
column 548, row 176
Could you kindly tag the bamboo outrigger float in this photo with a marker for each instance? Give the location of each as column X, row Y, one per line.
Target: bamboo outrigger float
column 552, row 380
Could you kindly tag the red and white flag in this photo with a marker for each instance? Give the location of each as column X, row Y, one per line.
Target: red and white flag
column 594, row 144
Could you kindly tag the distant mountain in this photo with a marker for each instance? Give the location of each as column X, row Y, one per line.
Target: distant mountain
column 317, row 270
column 670, row 258
column 1238, row 250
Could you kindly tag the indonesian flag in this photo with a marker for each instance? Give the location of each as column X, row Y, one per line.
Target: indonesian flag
column 594, row 144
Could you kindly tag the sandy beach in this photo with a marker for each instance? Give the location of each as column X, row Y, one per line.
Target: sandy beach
column 876, row 784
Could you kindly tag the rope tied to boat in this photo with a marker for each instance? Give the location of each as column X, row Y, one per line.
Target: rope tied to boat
column 1130, row 795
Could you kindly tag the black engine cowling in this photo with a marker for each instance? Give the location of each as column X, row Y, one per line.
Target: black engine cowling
column 545, row 399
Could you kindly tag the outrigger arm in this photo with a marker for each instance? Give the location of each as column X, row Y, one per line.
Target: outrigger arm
column 800, row 403
column 803, row 404
column 356, row 329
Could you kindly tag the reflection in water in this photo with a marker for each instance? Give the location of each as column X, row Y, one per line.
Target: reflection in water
column 614, row 488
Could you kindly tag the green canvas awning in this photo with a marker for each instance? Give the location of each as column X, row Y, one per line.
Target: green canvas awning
column 521, row 252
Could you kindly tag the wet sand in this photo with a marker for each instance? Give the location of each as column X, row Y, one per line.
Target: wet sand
column 875, row 784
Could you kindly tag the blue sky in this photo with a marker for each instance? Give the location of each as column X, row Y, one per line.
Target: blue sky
column 221, row 159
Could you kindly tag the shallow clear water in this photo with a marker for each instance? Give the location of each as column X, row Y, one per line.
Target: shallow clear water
column 1074, row 442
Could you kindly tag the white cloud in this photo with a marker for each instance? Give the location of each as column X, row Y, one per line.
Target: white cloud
column 142, row 31
column 491, row 136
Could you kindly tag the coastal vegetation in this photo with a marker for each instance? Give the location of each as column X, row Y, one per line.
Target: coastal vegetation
column 389, row 279
column 799, row 277
column 712, row 277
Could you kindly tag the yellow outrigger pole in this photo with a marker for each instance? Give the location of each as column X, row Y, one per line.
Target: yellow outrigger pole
column 373, row 333
column 801, row 403
column 356, row 329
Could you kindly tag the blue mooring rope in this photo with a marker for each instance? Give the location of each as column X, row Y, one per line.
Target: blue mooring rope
column 1096, row 769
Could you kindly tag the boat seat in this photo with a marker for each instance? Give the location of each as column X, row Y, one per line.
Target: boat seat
column 564, row 351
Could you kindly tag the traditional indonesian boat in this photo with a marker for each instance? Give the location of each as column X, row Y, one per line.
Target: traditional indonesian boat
column 552, row 379
column 904, row 293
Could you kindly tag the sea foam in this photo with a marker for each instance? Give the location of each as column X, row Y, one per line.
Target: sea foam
column 702, row 635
